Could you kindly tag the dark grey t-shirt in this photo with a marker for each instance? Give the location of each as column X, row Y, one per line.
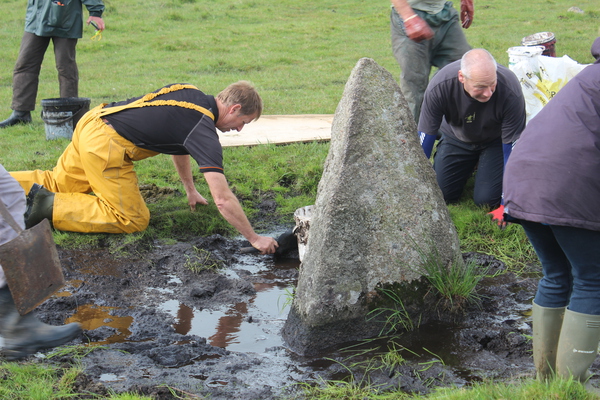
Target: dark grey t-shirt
column 447, row 107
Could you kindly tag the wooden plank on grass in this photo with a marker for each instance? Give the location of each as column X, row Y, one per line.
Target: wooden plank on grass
column 281, row 129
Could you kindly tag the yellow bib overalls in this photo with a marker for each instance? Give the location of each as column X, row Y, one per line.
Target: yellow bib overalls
column 100, row 161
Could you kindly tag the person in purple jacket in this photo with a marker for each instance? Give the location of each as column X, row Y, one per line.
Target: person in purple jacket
column 552, row 188
column 479, row 109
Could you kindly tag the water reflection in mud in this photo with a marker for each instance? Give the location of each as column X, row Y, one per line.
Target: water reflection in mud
column 250, row 326
column 92, row 317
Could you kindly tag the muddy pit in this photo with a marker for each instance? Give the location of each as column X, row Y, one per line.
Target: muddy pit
column 168, row 331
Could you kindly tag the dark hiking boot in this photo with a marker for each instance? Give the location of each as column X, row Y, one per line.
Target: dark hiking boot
column 25, row 334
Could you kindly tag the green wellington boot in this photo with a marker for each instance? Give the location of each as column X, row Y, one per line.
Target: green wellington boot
column 547, row 323
column 40, row 206
column 24, row 335
column 578, row 345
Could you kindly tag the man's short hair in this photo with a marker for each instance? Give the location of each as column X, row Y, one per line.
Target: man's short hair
column 244, row 94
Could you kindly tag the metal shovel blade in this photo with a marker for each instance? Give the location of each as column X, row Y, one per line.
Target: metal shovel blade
column 31, row 266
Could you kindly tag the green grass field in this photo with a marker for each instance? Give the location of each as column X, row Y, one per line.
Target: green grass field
column 299, row 55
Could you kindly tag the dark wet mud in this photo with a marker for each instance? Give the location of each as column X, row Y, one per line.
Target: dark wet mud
column 171, row 324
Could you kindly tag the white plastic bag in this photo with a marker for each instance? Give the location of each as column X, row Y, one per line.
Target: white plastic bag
column 541, row 77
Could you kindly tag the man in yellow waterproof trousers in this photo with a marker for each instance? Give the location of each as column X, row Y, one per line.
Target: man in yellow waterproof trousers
column 177, row 119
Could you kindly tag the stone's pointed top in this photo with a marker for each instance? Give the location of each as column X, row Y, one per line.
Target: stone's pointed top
column 371, row 92
column 367, row 68
column 367, row 62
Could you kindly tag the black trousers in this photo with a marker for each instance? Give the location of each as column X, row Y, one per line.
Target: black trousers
column 455, row 161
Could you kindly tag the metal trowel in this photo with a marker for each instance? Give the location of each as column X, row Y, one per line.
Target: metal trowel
column 287, row 242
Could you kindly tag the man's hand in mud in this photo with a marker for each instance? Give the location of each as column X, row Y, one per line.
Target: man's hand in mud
column 265, row 244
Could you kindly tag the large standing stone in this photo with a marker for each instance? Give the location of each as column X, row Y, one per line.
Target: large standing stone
column 378, row 210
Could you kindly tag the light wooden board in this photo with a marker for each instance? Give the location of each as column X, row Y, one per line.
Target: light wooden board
column 280, row 129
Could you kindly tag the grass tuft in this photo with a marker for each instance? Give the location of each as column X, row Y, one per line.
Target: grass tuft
column 202, row 260
column 396, row 318
column 455, row 283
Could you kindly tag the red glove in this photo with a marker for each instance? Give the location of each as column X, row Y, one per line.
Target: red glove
column 417, row 29
column 466, row 13
column 498, row 216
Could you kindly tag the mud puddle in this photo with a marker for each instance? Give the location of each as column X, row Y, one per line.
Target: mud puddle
column 251, row 325
column 246, row 326
column 215, row 333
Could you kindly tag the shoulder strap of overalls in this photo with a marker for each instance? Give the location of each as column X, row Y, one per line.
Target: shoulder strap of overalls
column 146, row 101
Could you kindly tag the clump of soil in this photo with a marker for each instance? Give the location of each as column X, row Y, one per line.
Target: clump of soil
column 146, row 354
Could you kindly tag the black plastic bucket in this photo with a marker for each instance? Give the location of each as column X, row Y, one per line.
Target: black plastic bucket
column 61, row 115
